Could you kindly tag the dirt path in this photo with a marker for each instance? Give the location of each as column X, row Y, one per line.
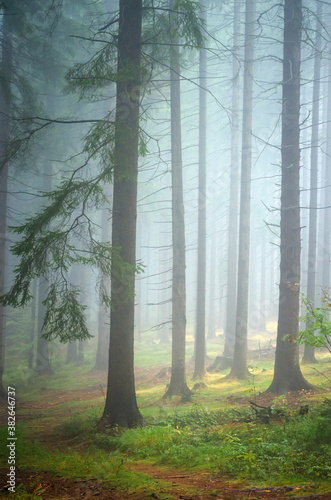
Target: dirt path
column 46, row 485
column 169, row 484
column 210, row 486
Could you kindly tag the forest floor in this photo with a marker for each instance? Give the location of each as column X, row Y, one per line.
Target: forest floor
column 41, row 414
column 44, row 484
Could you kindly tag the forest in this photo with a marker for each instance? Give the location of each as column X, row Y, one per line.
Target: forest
column 165, row 249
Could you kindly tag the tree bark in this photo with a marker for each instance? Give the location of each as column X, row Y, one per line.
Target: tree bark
column 231, row 294
column 163, row 313
column 239, row 368
column 309, row 354
column 178, row 376
column 42, row 363
column 322, row 186
column 262, row 324
column 121, row 406
column 327, row 190
column 211, row 309
column 80, row 354
column 200, row 336
column 33, row 323
column 101, row 359
column 72, row 354
column 287, row 373
column 6, row 69
column 138, row 285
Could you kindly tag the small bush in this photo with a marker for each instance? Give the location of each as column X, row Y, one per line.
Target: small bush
column 78, row 425
column 297, row 448
column 200, row 417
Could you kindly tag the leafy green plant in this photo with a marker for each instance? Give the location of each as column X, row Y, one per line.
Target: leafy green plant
column 78, row 425
column 299, row 451
column 318, row 323
column 325, row 408
column 200, row 417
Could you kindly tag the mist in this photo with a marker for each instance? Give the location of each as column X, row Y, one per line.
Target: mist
column 164, row 244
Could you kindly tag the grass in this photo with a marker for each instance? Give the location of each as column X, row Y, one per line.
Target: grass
column 293, row 450
column 94, row 462
column 216, row 433
column 297, row 449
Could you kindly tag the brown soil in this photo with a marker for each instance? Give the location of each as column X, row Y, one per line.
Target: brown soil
column 212, row 487
column 44, row 484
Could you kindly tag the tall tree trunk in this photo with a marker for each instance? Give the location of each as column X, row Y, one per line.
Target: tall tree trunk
column 304, row 202
column 178, row 376
column 80, row 354
column 72, row 354
column 42, row 363
column 309, row 355
column 322, row 187
column 138, row 285
column 74, row 348
column 6, row 70
column 239, row 367
column 231, row 294
column 101, row 359
column 163, row 317
column 327, row 190
column 33, row 323
column 211, row 298
column 253, row 284
column 200, row 336
column 273, row 284
column 147, row 261
column 287, row 373
column 263, row 303
column 121, row 406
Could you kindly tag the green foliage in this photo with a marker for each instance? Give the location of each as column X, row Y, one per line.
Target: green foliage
column 78, row 425
column 143, row 145
column 62, row 233
column 159, row 29
column 96, row 463
column 198, row 417
column 64, row 318
column 318, row 323
column 46, row 247
column 300, row 449
column 99, row 143
column 229, row 442
column 325, row 409
column 95, row 74
column 188, row 23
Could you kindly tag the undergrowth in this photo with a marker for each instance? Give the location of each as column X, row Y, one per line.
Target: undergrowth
column 238, row 442
column 229, row 443
column 94, row 462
